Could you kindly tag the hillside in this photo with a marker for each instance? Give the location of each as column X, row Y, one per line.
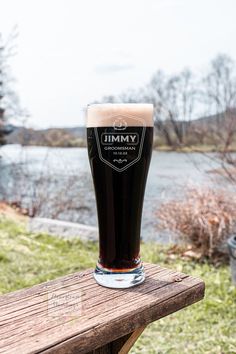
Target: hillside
column 65, row 137
column 205, row 131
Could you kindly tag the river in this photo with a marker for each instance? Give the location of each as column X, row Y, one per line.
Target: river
column 57, row 182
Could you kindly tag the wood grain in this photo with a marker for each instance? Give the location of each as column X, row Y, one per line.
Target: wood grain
column 73, row 314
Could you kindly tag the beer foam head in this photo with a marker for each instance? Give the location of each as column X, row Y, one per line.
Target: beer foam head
column 134, row 114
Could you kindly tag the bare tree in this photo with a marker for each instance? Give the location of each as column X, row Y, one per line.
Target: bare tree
column 174, row 99
column 219, row 96
column 9, row 101
column 179, row 99
column 220, row 85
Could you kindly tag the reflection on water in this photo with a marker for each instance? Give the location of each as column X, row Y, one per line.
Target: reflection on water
column 48, row 174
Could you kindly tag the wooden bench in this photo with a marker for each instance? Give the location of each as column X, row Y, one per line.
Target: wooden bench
column 73, row 314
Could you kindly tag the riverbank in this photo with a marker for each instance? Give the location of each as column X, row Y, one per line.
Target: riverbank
column 56, row 183
column 194, row 148
column 207, row 327
column 201, row 148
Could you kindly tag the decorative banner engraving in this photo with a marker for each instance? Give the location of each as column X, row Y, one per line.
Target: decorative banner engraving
column 120, row 146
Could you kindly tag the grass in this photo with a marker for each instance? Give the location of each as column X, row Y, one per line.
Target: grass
column 27, row 259
column 206, row 327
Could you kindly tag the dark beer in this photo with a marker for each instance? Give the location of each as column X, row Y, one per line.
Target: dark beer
column 119, row 149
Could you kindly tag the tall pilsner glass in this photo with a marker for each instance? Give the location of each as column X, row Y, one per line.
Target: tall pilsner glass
column 119, row 147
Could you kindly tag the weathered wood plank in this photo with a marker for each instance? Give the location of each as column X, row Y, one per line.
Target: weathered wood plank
column 30, row 297
column 75, row 315
column 40, row 306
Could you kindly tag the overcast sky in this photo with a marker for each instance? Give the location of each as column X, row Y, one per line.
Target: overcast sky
column 72, row 52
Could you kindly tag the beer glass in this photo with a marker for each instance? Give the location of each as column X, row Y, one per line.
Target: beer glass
column 119, row 140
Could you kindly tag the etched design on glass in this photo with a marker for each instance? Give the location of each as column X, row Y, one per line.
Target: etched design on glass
column 120, row 160
column 119, row 124
column 120, row 145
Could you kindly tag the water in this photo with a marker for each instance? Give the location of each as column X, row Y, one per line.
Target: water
column 56, row 182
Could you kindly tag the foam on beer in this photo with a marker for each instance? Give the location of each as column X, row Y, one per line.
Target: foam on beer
column 102, row 115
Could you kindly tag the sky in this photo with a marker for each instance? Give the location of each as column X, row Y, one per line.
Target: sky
column 72, row 52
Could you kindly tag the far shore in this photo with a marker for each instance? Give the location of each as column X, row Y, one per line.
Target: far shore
column 161, row 148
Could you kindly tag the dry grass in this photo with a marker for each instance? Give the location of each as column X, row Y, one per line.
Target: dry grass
column 204, row 218
column 11, row 213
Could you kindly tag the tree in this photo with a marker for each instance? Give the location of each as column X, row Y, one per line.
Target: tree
column 173, row 98
column 9, row 101
column 220, row 85
column 219, row 96
column 179, row 99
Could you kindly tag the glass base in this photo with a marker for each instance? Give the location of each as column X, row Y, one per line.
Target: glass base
column 119, row 280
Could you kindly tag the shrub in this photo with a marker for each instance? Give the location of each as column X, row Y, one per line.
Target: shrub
column 204, row 218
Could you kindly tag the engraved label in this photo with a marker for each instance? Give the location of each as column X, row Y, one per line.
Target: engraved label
column 120, row 145
column 129, row 138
